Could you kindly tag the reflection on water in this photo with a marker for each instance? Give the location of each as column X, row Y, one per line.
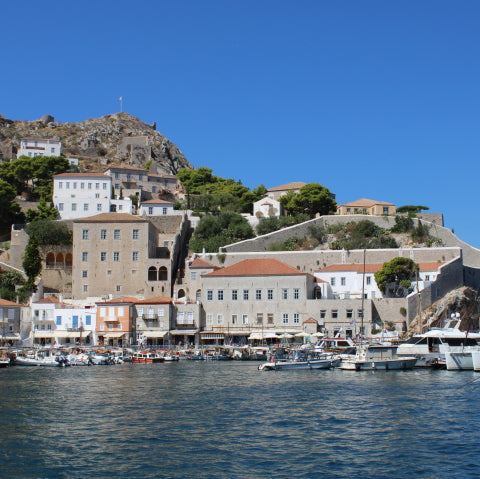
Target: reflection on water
column 228, row 420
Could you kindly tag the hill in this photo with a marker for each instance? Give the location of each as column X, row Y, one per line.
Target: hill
column 100, row 142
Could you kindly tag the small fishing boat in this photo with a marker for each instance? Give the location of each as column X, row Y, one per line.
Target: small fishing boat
column 42, row 357
column 300, row 359
column 147, row 357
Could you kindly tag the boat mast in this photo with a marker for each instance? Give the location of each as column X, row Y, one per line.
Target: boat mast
column 363, row 296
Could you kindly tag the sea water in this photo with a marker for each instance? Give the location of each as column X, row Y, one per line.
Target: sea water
column 219, row 419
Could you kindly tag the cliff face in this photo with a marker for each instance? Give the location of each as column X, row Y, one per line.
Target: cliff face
column 109, row 140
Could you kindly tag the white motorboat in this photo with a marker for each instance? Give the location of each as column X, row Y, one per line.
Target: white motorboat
column 476, row 360
column 459, row 360
column 301, row 359
column 42, row 357
column 430, row 347
column 374, row 357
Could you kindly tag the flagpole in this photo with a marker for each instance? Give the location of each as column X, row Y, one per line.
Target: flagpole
column 120, row 99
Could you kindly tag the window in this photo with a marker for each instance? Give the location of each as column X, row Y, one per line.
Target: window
column 104, row 186
column 60, row 206
column 82, row 186
column 134, row 234
column 360, row 313
column 89, row 186
column 284, row 293
column 258, row 294
column 323, row 313
column 85, row 206
column 349, row 313
column 67, row 185
column 245, row 295
column 161, row 312
column 74, row 206
column 103, row 256
column 85, row 288
column 209, row 318
column 259, row 318
column 270, row 318
column 219, row 318
column 103, row 234
column 234, row 295
column 84, row 256
column 116, row 256
column 135, row 256
column 296, row 293
column 74, row 185
column 209, row 295
column 244, row 318
column 234, row 319
column 296, row 318
column 164, row 211
column 193, row 276
column 116, row 175
column 116, row 234
column 60, row 185
column 85, row 234
column 270, row 294
column 118, row 288
column 99, row 207
column 334, row 314
column 368, row 280
column 190, row 318
column 97, row 186
column 84, row 273
column 343, row 281
column 332, row 281
column 150, row 210
column 285, row 318
column 88, row 320
column 220, row 295
column 58, row 322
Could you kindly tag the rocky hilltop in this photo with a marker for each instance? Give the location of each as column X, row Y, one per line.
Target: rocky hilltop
column 109, row 140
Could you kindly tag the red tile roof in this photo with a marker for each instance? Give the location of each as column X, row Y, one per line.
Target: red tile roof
column 157, row 201
column 4, row 302
column 364, row 202
column 157, row 300
column 289, row 186
column 121, row 300
column 111, row 218
column 201, row 263
column 310, row 321
column 257, row 267
column 47, row 300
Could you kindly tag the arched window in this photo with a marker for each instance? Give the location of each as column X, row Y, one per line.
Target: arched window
column 59, row 260
column 152, row 273
column 162, row 274
column 181, row 293
column 50, row 260
column 198, row 295
column 68, row 260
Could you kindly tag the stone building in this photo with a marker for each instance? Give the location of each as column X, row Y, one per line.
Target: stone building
column 120, row 254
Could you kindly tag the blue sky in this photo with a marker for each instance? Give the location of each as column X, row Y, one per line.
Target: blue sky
column 371, row 98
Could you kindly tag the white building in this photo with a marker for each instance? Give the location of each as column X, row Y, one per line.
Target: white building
column 80, row 195
column 347, row 281
column 39, row 147
column 56, row 323
column 157, row 208
column 266, row 208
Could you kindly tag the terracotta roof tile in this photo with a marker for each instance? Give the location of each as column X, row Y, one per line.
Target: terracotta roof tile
column 48, row 300
column 310, row 321
column 111, row 218
column 157, row 201
column 257, row 267
column 364, row 202
column 157, row 300
column 120, row 300
column 289, row 186
column 201, row 263
column 4, row 302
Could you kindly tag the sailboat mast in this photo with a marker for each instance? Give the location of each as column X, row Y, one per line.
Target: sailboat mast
column 363, row 294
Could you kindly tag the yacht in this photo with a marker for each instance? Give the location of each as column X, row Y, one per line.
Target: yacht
column 430, row 347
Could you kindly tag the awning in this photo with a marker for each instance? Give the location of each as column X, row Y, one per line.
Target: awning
column 43, row 334
column 112, row 335
column 209, row 335
column 11, row 337
column 71, row 334
column 180, row 332
column 266, row 335
column 153, row 334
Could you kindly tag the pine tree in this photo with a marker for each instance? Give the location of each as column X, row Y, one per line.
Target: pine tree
column 32, row 263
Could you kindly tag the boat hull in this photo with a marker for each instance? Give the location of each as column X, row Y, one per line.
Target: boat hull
column 378, row 364
column 476, row 360
column 288, row 365
column 456, row 361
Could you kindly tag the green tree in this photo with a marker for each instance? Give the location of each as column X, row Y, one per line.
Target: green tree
column 397, row 273
column 9, row 209
column 32, row 263
column 8, row 282
column 213, row 232
column 403, row 224
column 412, row 209
column 312, row 198
column 49, row 232
column 43, row 211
